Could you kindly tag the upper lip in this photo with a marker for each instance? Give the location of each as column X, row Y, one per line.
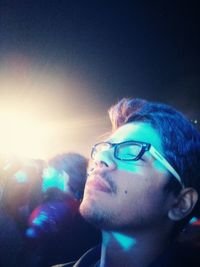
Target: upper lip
column 99, row 183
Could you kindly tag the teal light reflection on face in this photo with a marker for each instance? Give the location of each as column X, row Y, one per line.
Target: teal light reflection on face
column 158, row 166
column 108, row 157
column 137, row 132
column 125, row 241
column 55, row 178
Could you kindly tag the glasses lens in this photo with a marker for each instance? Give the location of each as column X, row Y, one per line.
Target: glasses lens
column 99, row 148
column 128, row 151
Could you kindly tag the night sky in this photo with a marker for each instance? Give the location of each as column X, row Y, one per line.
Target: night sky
column 103, row 50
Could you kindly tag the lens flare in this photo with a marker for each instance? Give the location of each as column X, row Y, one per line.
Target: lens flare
column 45, row 110
column 22, row 135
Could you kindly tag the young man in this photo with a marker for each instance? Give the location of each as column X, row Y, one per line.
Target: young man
column 143, row 186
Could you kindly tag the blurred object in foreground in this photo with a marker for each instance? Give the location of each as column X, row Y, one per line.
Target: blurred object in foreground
column 56, row 228
column 21, row 182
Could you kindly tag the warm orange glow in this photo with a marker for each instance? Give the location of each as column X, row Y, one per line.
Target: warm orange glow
column 44, row 111
column 23, row 135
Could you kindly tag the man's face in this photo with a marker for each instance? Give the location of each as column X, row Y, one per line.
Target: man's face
column 127, row 194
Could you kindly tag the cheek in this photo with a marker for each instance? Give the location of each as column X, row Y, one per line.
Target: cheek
column 128, row 167
column 139, row 193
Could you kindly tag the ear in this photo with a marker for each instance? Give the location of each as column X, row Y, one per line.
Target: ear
column 183, row 204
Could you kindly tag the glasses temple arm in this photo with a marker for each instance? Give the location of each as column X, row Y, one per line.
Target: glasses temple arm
column 165, row 163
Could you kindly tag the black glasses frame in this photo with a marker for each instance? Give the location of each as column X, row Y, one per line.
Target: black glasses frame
column 144, row 147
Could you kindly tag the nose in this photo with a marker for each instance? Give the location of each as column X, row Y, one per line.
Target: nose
column 101, row 164
column 104, row 160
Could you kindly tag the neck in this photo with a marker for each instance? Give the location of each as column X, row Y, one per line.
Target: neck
column 129, row 249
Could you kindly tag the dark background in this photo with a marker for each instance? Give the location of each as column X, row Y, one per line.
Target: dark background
column 106, row 50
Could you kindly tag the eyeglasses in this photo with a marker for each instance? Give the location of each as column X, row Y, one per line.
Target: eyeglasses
column 133, row 151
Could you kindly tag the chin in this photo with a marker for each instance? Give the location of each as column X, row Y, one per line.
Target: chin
column 87, row 209
column 94, row 215
column 90, row 212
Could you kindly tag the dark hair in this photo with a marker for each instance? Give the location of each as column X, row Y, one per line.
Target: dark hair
column 180, row 139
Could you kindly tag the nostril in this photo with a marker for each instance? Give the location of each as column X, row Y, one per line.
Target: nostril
column 103, row 163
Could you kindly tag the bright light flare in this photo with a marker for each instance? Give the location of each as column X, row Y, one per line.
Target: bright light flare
column 22, row 135
column 45, row 110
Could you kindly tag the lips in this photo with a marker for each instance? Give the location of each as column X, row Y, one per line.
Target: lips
column 97, row 183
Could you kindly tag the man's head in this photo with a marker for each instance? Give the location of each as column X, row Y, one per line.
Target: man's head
column 154, row 179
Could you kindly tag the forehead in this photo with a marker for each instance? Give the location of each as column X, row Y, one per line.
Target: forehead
column 137, row 131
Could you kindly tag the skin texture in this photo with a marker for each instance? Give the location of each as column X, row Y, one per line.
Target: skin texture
column 127, row 201
column 121, row 194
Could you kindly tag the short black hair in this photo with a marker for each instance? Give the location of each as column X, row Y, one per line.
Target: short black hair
column 180, row 139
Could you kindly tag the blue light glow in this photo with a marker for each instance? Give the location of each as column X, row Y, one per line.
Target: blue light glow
column 42, row 217
column 55, row 178
column 30, row 233
column 125, row 241
column 193, row 220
